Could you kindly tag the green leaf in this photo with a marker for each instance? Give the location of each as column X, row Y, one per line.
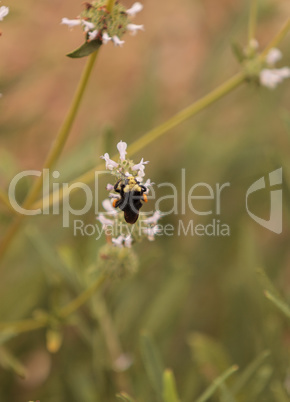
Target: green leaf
column 169, row 387
column 125, row 397
column 85, row 50
column 249, row 371
column 209, row 354
column 226, row 394
column 152, row 363
column 238, row 51
column 272, row 294
column 10, row 362
column 216, row 384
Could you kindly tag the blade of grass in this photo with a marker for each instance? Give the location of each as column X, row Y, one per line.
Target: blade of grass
column 216, row 384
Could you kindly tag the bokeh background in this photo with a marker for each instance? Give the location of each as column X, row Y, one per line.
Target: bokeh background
column 200, row 299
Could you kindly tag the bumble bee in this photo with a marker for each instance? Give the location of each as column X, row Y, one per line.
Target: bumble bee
column 132, row 193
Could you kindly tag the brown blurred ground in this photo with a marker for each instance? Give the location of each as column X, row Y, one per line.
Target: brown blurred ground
column 38, row 80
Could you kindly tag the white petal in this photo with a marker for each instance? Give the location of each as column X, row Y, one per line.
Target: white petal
column 110, row 164
column 93, row 35
column 154, row 218
column 270, row 78
column 70, row 23
column 140, row 166
column 128, row 242
column 88, row 25
column 284, row 72
column 133, row 28
column 110, row 187
column 273, row 56
column 117, row 41
column 122, row 146
column 105, row 38
column 109, row 207
column 3, row 12
column 136, row 8
column 119, row 241
column 105, row 221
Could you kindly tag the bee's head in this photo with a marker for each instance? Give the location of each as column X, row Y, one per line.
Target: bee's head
column 131, row 183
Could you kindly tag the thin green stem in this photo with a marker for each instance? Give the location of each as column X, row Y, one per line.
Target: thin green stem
column 81, row 299
column 112, row 340
column 5, row 201
column 278, row 38
column 110, row 5
column 54, row 153
column 253, row 19
column 152, row 135
column 30, row 325
column 23, row 325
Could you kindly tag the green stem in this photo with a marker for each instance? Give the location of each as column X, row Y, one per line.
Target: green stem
column 112, row 340
column 253, row 19
column 5, row 201
column 30, row 325
column 110, row 5
column 278, row 38
column 157, row 132
column 81, row 299
column 54, row 153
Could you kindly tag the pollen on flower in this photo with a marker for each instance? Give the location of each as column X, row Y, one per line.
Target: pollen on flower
column 100, row 24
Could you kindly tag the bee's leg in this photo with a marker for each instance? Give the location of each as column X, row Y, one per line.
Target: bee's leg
column 117, row 202
column 145, row 198
column 116, row 187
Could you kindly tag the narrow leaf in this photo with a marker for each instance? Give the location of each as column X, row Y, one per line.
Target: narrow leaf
column 238, row 52
column 226, row 394
column 125, row 397
column 278, row 303
column 10, row 362
column 152, row 363
column 169, row 387
column 216, row 384
column 249, row 371
column 85, row 50
column 272, row 294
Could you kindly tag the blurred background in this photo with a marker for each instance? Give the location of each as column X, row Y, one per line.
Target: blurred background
column 199, row 299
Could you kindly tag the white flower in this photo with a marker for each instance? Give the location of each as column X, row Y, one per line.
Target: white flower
column 109, row 207
column 105, row 221
column 136, row 8
column 105, row 38
column 93, row 35
column 148, row 184
column 273, row 56
column 271, row 78
column 153, row 219
column 119, row 241
column 70, row 23
column 122, row 146
column 151, row 232
column 88, row 25
column 3, row 12
column 110, row 164
column 133, row 28
column 117, row 41
column 128, row 242
column 140, row 166
column 110, row 187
